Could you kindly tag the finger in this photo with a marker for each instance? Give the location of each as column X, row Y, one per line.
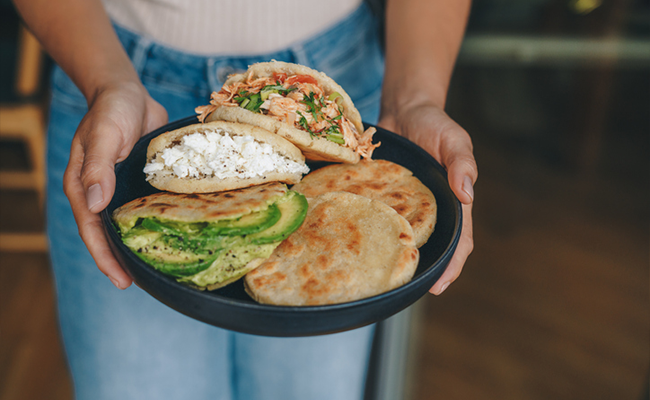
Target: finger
column 107, row 145
column 91, row 230
column 102, row 150
column 462, row 175
column 463, row 250
column 90, row 225
column 462, row 172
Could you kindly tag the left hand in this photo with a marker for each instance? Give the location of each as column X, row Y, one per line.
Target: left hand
column 117, row 117
column 432, row 129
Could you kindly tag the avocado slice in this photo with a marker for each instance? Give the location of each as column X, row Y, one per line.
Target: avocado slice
column 181, row 269
column 172, row 227
column 173, row 255
column 205, row 253
column 231, row 264
column 247, row 224
column 244, row 225
column 293, row 208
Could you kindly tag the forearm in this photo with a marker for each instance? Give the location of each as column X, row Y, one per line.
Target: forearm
column 79, row 36
column 422, row 42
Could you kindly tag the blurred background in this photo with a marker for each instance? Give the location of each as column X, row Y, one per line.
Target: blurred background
column 553, row 302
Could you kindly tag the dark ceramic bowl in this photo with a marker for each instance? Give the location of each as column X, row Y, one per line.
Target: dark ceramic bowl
column 231, row 308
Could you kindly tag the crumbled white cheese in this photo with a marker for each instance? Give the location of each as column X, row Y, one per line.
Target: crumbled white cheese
column 215, row 153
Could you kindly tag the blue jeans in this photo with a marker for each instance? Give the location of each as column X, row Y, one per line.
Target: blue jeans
column 125, row 344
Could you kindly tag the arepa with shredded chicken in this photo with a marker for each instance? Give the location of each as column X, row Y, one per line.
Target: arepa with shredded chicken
column 298, row 103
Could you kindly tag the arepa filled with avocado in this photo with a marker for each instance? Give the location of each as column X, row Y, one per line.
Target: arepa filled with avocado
column 208, row 240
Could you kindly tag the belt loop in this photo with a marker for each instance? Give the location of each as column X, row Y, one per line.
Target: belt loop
column 211, row 71
column 301, row 55
column 140, row 53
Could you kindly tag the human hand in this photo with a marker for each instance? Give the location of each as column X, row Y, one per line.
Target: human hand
column 117, row 117
column 432, row 129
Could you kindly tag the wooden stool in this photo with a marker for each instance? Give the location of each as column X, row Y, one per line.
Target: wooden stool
column 25, row 121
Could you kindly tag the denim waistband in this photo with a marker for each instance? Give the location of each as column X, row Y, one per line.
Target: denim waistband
column 204, row 74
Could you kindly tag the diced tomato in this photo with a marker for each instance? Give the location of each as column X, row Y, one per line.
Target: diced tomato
column 279, row 76
column 301, row 79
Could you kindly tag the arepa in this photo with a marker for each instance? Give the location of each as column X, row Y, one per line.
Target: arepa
column 302, row 105
column 220, row 156
column 380, row 180
column 348, row 248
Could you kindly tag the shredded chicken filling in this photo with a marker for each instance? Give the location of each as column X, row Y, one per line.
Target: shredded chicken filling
column 299, row 101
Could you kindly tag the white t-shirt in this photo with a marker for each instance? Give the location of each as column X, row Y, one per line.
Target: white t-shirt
column 237, row 27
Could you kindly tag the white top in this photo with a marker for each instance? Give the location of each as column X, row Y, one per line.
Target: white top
column 237, row 27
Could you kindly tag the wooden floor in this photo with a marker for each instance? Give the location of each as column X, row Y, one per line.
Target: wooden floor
column 552, row 304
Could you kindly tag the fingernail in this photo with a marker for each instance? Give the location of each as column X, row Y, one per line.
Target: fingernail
column 443, row 288
column 468, row 188
column 94, row 196
column 115, row 282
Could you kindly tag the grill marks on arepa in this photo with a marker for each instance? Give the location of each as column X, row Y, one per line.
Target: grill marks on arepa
column 201, row 207
column 379, row 180
column 348, row 248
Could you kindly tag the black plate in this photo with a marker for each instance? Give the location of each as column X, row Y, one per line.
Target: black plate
column 231, row 308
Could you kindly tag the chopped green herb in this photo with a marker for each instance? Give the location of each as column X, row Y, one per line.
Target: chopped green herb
column 314, row 105
column 333, row 129
column 268, row 89
column 333, row 134
column 253, row 101
column 304, row 124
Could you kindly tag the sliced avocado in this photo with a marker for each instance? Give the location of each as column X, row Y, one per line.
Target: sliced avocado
column 139, row 237
column 181, row 269
column 208, row 253
column 154, row 224
column 203, row 243
column 231, row 263
column 173, row 255
column 175, row 236
column 173, row 227
column 170, row 255
column 247, row 224
column 293, row 208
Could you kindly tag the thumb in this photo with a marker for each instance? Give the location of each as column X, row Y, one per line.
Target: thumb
column 97, row 171
column 105, row 148
column 462, row 174
column 457, row 156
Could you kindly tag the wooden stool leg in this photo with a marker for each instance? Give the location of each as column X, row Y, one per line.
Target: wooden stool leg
column 36, row 144
column 25, row 122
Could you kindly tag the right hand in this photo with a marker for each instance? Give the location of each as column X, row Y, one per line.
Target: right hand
column 430, row 127
column 118, row 116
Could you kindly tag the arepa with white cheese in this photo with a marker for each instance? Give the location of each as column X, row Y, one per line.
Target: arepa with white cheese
column 220, row 156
